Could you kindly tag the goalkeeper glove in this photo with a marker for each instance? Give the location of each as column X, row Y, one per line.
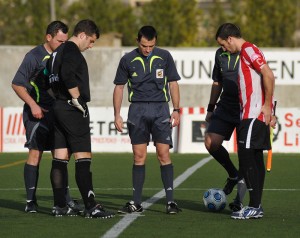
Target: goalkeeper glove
column 80, row 105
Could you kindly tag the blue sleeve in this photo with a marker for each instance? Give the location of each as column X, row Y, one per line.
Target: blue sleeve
column 122, row 74
column 172, row 72
column 26, row 71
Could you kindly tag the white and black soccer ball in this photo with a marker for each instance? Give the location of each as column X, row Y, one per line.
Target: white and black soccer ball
column 214, row 199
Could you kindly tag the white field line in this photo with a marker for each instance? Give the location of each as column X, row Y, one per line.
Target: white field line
column 118, row 228
column 149, row 189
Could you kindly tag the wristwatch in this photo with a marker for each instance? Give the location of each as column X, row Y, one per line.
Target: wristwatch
column 176, row 110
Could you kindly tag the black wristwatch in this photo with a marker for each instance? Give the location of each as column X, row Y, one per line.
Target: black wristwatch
column 176, row 110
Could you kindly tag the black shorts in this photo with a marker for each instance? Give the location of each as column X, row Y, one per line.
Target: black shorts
column 71, row 129
column 39, row 132
column 253, row 134
column 221, row 127
column 146, row 119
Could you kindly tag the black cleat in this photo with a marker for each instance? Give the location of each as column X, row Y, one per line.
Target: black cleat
column 230, row 183
column 131, row 207
column 75, row 206
column 31, row 207
column 60, row 211
column 98, row 212
column 172, row 208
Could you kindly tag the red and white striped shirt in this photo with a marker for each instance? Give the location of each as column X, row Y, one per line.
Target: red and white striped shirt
column 250, row 81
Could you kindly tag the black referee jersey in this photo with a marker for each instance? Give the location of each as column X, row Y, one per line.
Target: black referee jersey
column 226, row 72
column 68, row 69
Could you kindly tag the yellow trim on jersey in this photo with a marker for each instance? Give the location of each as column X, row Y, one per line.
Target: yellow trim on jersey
column 36, row 88
column 153, row 58
column 140, row 59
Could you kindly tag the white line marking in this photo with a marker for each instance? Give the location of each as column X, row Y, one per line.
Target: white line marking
column 149, row 189
column 118, row 228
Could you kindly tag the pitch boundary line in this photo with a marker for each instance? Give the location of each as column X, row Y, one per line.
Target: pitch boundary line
column 119, row 227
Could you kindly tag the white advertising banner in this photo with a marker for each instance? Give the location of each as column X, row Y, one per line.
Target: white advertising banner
column 189, row 138
column 195, row 65
column 104, row 136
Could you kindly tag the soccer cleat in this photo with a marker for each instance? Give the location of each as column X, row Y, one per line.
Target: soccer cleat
column 230, row 183
column 60, row 211
column 75, row 206
column 64, row 211
column 172, row 208
column 248, row 213
column 235, row 205
column 131, row 207
column 98, row 212
column 31, row 207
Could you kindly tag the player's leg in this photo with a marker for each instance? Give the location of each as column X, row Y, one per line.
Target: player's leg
column 250, row 172
column 261, row 171
column 36, row 142
column 139, row 139
column 31, row 176
column 248, row 137
column 213, row 143
column 167, row 176
column 138, row 179
column 253, row 137
column 166, row 169
column 74, row 205
column 138, row 171
column 83, row 177
column 84, row 182
column 261, row 142
column 218, row 131
column 162, row 137
column 237, row 203
column 58, row 181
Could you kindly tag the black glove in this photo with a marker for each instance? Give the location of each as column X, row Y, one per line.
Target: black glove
column 80, row 105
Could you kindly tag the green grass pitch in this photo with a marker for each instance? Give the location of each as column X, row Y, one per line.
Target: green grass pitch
column 112, row 184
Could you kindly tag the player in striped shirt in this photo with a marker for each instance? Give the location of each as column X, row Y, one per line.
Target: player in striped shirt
column 256, row 87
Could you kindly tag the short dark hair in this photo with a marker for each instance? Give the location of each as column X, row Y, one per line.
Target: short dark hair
column 148, row 32
column 228, row 29
column 88, row 27
column 55, row 27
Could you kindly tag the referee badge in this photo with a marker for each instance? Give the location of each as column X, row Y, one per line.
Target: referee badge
column 159, row 73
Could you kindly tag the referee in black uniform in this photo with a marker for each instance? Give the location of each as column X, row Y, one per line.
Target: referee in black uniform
column 69, row 81
column 150, row 74
column 223, row 119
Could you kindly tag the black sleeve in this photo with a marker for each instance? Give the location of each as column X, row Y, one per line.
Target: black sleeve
column 216, row 75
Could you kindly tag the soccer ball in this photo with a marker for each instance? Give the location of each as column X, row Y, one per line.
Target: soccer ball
column 214, row 199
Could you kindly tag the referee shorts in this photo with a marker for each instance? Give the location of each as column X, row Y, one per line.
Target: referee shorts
column 71, row 129
column 149, row 119
column 253, row 134
column 39, row 132
column 221, row 127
